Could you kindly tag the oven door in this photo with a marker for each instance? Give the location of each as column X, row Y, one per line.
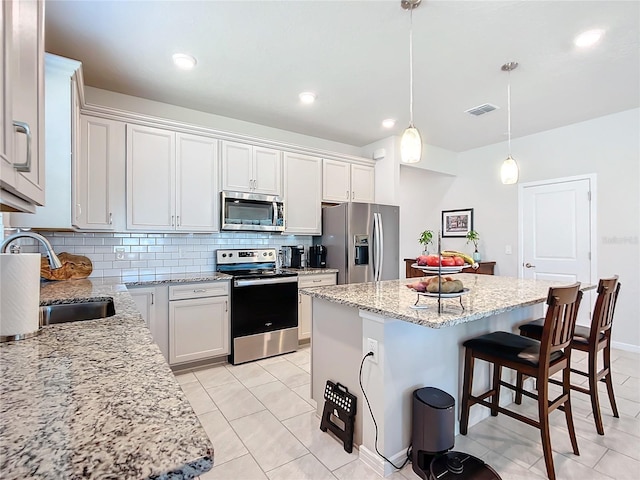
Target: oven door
column 250, row 211
column 260, row 305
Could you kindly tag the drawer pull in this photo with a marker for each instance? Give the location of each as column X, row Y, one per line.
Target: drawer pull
column 317, row 281
column 199, row 290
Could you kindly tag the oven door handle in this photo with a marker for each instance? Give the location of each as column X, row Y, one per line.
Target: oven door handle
column 264, row 281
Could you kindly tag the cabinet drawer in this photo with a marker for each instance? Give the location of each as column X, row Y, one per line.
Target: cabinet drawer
column 198, row 290
column 320, row 280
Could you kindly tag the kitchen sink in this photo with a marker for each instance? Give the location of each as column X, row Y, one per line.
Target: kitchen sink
column 73, row 312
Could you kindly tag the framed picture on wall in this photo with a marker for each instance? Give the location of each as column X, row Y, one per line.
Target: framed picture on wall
column 457, row 223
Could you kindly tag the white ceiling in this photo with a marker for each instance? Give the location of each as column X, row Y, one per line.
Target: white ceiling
column 254, row 57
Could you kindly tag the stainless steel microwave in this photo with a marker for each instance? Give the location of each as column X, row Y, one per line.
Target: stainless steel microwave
column 252, row 211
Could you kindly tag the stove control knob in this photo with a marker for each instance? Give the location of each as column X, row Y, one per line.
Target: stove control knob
column 231, row 254
column 224, row 255
column 264, row 254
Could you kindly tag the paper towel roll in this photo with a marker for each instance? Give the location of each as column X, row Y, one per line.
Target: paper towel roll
column 19, row 294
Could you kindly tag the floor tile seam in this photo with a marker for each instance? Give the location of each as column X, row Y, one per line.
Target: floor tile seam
column 309, row 452
column 637, row 460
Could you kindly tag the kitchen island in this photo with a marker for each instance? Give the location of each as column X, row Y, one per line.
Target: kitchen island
column 96, row 398
column 416, row 347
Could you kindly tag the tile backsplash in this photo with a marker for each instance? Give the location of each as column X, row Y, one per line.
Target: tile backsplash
column 128, row 254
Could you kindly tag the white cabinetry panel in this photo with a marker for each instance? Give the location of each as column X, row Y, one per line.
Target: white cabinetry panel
column 152, row 303
column 336, row 181
column 250, row 169
column 98, row 171
column 150, row 178
column 305, row 310
column 362, row 183
column 302, row 194
column 267, row 172
column 196, row 192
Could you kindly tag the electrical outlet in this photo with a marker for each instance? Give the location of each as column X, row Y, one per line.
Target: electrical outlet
column 372, row 346
column 119, row 253
column 507, row 250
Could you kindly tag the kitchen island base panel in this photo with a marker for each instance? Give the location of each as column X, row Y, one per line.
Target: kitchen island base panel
column 410, row 356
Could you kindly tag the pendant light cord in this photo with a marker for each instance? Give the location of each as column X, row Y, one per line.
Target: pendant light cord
column 411, row 66
column 509, row 111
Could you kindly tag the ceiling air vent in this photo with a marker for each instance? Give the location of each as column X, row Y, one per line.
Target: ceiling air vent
column 481, row 109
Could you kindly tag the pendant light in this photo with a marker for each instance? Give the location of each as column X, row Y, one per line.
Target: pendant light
column 411, row 142
column 509, row 169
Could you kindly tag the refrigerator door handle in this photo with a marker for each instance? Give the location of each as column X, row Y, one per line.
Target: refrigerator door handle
column 374, row 247
column 381, row 248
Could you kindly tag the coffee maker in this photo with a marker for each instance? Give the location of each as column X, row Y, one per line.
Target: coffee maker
column 317, row 256
column 293, row 256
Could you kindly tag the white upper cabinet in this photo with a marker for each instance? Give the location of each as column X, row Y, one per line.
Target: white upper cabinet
column 347, row 182
column 362, row 183
column 171, row 180
column 196, row 180
column 336, row 181
column 302, row 194
column 151, row 159
column 22, row 173
column 98, row 174
column 246, row 168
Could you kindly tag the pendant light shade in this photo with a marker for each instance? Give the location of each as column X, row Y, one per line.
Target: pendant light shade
column 509, row 170
column 411, row 145
column 411, row 142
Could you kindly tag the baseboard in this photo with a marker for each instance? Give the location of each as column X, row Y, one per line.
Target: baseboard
column 379, row 464
column 627, row 347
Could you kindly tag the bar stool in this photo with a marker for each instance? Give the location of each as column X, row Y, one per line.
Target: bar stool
column 533, row 358
column 591, row 340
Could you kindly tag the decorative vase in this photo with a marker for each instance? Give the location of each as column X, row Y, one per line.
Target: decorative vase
column 476, row 256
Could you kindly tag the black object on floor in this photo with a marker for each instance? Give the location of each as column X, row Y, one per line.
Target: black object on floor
column 433, row 437
column 342, row 405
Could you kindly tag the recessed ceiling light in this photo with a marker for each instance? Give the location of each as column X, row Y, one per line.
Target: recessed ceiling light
column 588, row 38
column 184, row 61
column 307, row 97
column 389, row 123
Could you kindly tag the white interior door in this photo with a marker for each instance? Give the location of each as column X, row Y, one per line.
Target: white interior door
column 556, row 233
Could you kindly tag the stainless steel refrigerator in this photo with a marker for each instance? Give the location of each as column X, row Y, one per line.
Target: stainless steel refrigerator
column 362, row 241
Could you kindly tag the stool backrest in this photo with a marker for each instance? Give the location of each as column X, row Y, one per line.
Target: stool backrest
column 608, row 289
column 560, row 321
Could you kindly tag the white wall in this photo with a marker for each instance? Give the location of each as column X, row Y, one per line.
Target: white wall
column 128, row 103
column 607, row 146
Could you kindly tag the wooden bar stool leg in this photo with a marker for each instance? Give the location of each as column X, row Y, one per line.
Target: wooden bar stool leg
column 466, row 390
column 497, row 374
column 566, row 389
column 593, row 388
column 607, row 365
column 543, row 415
column 519, row 383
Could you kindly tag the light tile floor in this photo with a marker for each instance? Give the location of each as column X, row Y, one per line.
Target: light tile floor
column 263, row 425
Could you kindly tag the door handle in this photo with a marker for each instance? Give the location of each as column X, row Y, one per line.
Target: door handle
column 110, row 218
column 178, row 220
column 528, row 265
column 23, row 127
column 172, row 220
column 347, row 197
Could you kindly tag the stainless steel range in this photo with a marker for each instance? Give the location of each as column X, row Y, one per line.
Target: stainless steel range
column 264, row 304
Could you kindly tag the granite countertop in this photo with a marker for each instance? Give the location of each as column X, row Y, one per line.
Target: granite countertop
column 488, row 295
column 311, row 271
column 95, row 399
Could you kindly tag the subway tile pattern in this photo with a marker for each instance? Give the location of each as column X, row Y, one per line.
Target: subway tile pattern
column 132, row 254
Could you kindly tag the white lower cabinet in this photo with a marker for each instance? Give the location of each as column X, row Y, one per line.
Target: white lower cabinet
column 152, row 302
column 198, row 321
column 305, row 311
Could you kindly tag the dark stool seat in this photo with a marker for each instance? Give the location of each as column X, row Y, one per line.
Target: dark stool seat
column 510, row 347
column 535, row 358
column 591, row 340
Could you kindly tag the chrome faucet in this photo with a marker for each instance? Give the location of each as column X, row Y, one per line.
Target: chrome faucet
column 54, row 261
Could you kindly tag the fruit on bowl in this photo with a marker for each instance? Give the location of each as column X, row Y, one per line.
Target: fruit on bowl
column 448, row 285
column 422, row 260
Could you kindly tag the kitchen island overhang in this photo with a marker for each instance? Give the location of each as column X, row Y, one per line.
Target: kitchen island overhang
column 410, row 356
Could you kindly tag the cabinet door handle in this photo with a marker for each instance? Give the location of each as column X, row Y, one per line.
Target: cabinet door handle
column 178, row 220
column 226, row 308
column 23, row 127
column 153, row 300
column 299, row 298
column 317, row 281
column 199, row 290
column 172, row 220
column 353, row 195
column 347, row 197
column 110, row 218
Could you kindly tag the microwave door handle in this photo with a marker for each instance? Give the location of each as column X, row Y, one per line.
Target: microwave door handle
column 275, row 214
